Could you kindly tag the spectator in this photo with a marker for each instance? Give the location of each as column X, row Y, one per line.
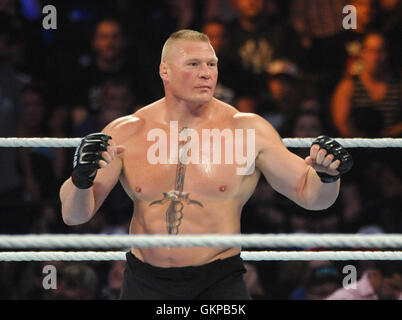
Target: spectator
column 383, row 209
column 10, row 111
column 391, row 26
column 381, row 283
column 322, row 278
column 246, row 104
column 281, row 99
column 77, row 282
column 114, row 281
column 255, row 40
column 253, row 282
column 215, row 30
column 221, row 9
column 110, row 61
column 369, row 105
column 303, row 124
column 319, row 27
column 308, row 124
column 116, row 99
column 352, row 39
column 35, row 162
column 315, row 19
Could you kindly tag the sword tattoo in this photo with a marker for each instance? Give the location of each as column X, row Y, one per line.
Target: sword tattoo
column 177, row 198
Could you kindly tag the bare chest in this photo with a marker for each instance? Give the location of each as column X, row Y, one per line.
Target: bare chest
column 153, row 170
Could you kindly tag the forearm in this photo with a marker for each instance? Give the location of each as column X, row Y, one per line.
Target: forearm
column 317, row 195
column 77, row 205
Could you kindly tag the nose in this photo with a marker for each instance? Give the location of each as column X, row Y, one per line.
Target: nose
column 205, row 71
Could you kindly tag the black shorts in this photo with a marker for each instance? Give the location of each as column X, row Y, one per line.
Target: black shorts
column 221, row 279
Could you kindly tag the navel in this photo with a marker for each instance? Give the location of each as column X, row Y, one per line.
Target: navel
column 222, row 188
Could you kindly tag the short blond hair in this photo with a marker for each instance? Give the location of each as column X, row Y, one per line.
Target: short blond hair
column 185, row 35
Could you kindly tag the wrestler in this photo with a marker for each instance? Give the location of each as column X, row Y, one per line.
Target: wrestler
column 190, row 198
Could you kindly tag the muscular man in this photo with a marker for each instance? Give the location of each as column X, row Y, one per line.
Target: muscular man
column 179, row 196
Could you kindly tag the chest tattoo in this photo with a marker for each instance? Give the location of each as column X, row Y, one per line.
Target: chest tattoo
column 176, row 198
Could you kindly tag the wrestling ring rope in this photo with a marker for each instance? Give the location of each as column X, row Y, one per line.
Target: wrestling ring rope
column 289, row 142
column 371, row 242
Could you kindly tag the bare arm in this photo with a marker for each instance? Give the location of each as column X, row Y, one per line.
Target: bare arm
column 289, row 174
column 80, row 205
column 340, row 107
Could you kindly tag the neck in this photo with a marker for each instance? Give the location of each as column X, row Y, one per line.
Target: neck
column 187, row 114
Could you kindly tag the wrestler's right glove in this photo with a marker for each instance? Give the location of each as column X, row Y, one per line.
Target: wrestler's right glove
column 86, row 159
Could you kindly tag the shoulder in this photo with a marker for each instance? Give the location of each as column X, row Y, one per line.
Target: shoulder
column 345, row 86
column 347, row 82
column 264, row 133
column 125, row 127
column 122, row 128
column 246, row 120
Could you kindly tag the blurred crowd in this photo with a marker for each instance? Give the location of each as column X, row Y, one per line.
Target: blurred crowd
column 290, row 61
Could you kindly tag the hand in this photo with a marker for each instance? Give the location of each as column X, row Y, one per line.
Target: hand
column 93, row 153
column 329, row 159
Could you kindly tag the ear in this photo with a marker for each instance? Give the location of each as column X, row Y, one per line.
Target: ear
column 163, row 70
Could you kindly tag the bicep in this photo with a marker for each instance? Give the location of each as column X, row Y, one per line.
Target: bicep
column 285, row 171
column 107, row 177
column 105, row 180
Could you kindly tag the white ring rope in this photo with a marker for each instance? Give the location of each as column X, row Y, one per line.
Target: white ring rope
column 289, row 142
column 86, row 241
column 246, row 255
column 40, row 142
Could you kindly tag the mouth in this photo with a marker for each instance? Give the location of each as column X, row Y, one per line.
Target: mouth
column 203, row 87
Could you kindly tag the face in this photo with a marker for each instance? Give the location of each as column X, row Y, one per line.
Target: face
column 280, row 87
column 116, row 274
column 250, row 8
column 374, row 54
column 190, row 71
column 363, row 11
column 117, row 98
column 390, row 287
column 215, row 32
column 108, row 41
column 307, row 126
column 33, row 106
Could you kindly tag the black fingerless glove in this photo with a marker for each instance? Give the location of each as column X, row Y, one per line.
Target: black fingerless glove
column 339, row 153
column 86, row 159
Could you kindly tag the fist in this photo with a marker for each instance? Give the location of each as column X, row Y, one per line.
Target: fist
column 111, row 152
column 322, row 161
column 95, row 151
column 329, row 159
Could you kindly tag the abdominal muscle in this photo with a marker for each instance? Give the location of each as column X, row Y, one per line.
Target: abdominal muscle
column 182, row 257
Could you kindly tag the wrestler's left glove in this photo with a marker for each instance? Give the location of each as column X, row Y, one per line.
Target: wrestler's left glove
column 86, row 159
column 339, row 153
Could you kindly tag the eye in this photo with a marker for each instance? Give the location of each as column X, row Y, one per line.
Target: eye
column 193, row 64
